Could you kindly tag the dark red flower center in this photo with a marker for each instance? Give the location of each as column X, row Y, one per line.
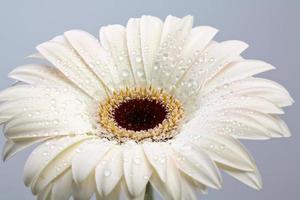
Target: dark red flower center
column 139, row 114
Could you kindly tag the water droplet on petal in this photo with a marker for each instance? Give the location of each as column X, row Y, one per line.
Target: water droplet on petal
column 140, row 73
column 45, row 153
column 138, row 59
column 137, row 160
column 107, row 173
column 125, row 73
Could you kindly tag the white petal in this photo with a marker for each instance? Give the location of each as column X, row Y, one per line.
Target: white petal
column 262, row 88
column 62, row 187
column 40, row 74
column 98, row 59
column 54, row 169
column 35, row 55
column 45, row 194
column 285, row 129
column 71, row 65
column 11, row 148
column 37, row 91
column 175, row 31
column 85, row 189
column 177, row 26
column 258, row 87
column 197, row 41
column 156, row 155
column 236, row 130
column 113, row 195
column 44, row 154
column 207, row 64
column 188, row 188
column 129, row 196
column 44, row 124
column 151, row 28
column 237, row 71
column 45, row 112
column 137, row 170
column 61, row 39
column 252, row 179
column 216, row 102
column 135, row 52
column 221, row 54
column 171, row 188
column 91, row 153
column 170, row 23
column 226, row 150
column 109, row 171
column 197, row 164
column 159, row 186
column 113, row 38
column 244, row 123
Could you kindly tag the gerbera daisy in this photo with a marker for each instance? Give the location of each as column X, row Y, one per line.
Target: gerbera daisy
column 152, row 105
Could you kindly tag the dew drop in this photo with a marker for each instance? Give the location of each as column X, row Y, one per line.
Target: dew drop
column 107, row 173
column 137, row 160
column 53, row 101
column 222, row 146
column 125, row 73
column 45, row 153
column 138, row 59
column 211, row 60
column 78, row 150
column 140, row 73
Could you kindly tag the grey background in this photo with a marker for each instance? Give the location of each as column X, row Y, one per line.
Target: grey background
column 271, row 27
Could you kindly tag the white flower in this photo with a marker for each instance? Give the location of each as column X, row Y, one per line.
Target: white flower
column 153, row 102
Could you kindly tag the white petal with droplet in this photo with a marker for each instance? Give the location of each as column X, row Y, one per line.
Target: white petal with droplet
column 113, row 38
column 109, row 171
column 196, row 164
column 150, row 29
column 225, row 150
column 97, row 58
column 135, row 51
column 72, row 66
column 171, row 187
column 157, row 156
column 137, row 170
column 44, row 154
column 91, row 153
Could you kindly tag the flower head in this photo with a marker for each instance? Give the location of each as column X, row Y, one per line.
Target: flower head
column 156, row 103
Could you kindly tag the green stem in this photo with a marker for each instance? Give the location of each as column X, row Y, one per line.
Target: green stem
column 149, row 192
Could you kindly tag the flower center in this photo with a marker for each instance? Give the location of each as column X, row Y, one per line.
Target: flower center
column 140, row 114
